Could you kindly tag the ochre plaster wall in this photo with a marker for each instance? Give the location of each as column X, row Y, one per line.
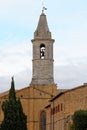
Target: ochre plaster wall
column 68, row 102
column 34, row 99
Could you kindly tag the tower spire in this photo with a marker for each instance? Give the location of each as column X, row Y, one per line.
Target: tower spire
column 42, row 30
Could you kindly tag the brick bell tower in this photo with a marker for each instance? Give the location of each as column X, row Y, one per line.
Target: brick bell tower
column 42, row 62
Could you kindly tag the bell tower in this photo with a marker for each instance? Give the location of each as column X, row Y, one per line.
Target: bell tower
column 42, row 62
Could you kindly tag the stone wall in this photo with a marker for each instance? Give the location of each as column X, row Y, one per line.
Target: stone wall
column 63, row 106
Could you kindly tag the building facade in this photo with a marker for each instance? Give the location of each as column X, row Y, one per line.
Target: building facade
column 62, row 107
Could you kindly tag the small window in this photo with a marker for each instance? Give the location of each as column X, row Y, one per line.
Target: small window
column 54, row 110
column 42, row 51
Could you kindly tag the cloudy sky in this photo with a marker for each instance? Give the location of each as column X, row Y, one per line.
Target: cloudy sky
column 67, row 20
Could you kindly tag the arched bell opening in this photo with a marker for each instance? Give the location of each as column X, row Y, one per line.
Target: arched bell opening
column 42, row 51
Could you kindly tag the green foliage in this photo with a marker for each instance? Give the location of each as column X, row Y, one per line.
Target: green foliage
column 14, row 118
column 80, row 120
column 12, row 94
column 72, row 127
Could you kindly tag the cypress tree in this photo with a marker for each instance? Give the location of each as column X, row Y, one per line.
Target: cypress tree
column 14, row 117
column 12, row 94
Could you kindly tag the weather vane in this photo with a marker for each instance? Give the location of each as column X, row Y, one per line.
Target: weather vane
column 43, row 7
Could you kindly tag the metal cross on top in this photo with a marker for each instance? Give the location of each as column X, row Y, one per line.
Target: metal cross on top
column 43, row 7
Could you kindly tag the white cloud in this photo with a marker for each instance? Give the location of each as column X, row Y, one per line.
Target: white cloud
column 21, row 79
column 71, row 75
column 15, row 58
column 4, row 83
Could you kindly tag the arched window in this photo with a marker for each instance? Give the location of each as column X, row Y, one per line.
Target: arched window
column 42, row 51
column 43, row 120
